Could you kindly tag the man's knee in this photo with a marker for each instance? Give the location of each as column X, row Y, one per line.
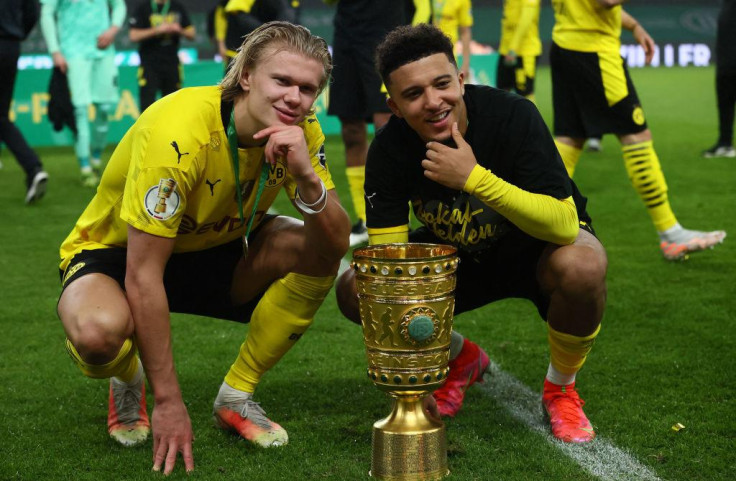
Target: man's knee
column 577, row 271
column 347, row 296
column 282, row 246
column 581, row 272
column 97, row 336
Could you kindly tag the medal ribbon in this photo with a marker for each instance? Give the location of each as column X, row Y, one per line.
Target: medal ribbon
column 164, row 8
column 232, row 139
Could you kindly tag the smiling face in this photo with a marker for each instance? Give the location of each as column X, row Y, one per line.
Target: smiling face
column 428, row 94
column 280, row 89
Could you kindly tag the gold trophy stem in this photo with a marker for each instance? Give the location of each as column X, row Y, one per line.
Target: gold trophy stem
column 409, row 445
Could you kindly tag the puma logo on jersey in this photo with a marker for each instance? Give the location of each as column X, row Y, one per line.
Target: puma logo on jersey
column 369, row 197
column 212, row 185
column 322, row 157
column 179, row 154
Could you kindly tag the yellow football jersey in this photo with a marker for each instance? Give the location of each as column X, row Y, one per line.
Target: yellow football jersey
column 586, row 26
column 529, row 43
column 172, row 176
column 448, row 15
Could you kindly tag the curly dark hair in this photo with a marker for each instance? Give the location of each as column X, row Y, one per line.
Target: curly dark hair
column 408, row 44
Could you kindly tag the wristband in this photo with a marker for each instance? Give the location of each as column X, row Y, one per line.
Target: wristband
column 309, row 208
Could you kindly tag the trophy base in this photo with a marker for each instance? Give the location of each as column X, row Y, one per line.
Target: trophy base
column 408, row 445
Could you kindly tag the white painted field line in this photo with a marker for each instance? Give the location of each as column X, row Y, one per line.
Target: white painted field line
column 344, row 265
column 600, row 458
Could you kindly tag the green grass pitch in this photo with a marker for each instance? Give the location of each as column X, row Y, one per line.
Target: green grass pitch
column 665, row 355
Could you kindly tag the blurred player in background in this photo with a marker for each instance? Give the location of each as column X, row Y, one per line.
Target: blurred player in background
column 180, row 224
column 17, row 19
column 217, row 29
column 243, row 16
column 455, row 19
column 519, row 48
column 80, row 38
column 158, row 26
column 482, row 173
column 356, row 97
column 725, row 80
column 594, row 95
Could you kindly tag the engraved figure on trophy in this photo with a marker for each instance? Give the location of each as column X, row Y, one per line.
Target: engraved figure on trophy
column 386, row 331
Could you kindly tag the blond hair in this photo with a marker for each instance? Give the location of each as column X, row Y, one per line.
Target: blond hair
column 285, row 35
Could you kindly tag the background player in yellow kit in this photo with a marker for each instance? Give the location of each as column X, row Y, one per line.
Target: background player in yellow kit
column 519, row 48
column 594, row 95
column 455, row 19
column 195, row 174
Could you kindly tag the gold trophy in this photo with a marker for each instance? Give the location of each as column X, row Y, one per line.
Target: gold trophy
column 165, row 188
column 406, row 298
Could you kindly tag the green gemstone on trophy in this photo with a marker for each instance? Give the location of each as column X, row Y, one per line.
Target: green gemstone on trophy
column 421, row 328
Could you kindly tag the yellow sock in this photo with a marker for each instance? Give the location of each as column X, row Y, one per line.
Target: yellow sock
column 356, row 179
column 281, row 317
column 124, row 366
column 642, row 165
column 568, row 352
column 570, row 156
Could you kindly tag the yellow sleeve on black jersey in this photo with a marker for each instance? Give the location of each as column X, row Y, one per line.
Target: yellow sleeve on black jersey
column 388, row 235
column 539, row 215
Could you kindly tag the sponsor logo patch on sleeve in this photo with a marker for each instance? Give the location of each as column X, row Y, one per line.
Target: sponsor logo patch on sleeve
column 162, row 200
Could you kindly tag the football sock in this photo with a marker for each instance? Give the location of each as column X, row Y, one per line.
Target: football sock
column 100, row 126
column 561, row 379
column 229, row 393
column 282, row 315
column 642, row 165
column 568, row 352
column 456, row 344
column 356, row 179
column 570, row 156
column 124, row 366
column 81, row 144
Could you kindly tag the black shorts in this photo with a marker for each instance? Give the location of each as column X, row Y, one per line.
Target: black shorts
column 516, row 78
column 592, row 95
column 154, row 78
column 355, row 91
column 508, row 270
column 196, row 282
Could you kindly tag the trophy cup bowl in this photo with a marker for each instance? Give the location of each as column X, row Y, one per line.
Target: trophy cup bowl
column 406, row 300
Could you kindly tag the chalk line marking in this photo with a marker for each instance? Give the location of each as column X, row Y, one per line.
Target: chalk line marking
column 601, row 458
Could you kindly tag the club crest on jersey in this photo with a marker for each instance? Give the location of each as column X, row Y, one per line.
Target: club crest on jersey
column 162, row 200
column 638, row 116
column 215, row 143
column 276, row 174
